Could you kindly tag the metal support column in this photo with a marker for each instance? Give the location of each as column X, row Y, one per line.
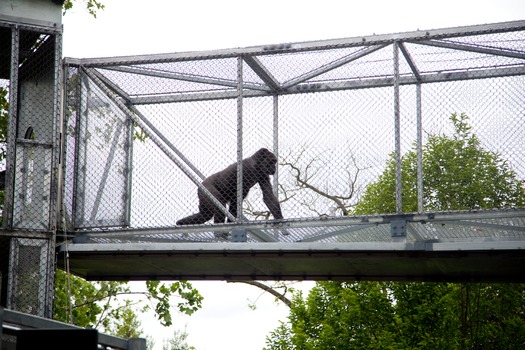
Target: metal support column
column 397, row 121
column 239, row 136
column 11, row 132
column 276, row 143
column 419, row 146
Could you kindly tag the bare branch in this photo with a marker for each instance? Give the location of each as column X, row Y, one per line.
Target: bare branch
column 304, row 178
column 268, row 289
column 106, row 297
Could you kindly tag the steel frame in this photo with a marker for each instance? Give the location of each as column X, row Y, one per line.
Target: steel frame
column 239, row 89
column 369, row 45
column 405, row 246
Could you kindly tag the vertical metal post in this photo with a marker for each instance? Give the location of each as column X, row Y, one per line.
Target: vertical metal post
column 57, row 124
column 276, row 142
column 397, row 121
column 128, row 168
column 11, row 132
column 419, row 141
column 239, row 136
column 81, row 123
column 61, row 173
column 55, row 178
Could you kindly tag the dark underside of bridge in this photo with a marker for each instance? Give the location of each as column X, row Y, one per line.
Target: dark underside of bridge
column 483, row 246
column 395, row 261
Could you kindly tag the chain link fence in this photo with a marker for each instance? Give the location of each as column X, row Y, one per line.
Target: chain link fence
column 117, row 149
column 143, row 132
column 30, row 69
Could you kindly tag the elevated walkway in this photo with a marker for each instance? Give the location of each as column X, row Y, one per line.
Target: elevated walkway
column 454, row 246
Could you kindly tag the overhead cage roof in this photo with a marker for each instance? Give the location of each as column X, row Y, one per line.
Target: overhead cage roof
column 427, row 56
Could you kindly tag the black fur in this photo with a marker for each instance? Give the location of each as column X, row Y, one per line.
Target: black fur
column 223, row 186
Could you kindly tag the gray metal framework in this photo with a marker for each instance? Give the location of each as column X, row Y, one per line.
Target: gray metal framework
column 143, row 91
column 103, row 73
column 466, row 247
column 29, row 70
column 111, row 203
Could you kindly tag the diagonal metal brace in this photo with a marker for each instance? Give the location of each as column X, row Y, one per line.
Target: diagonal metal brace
column 151, row 131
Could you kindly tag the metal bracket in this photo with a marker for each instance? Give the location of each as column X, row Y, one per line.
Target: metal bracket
column 238, row 235
column 398, row 228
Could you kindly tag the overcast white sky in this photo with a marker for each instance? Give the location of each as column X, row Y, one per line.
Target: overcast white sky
column 133, row 27
column 160, row 26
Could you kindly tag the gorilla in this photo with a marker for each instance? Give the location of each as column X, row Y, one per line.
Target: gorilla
column 223, row 186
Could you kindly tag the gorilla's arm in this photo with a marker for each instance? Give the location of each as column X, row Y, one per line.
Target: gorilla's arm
column 269, row 198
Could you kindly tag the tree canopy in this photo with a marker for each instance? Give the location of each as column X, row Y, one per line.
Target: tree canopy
column 458, row 174
column 108, row 306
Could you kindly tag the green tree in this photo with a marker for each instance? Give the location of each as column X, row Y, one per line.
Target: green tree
column 178, row 342
column 105, row 306
column 458, row 174
column 426, row 315
column 127, row 325
column 92, row 6
column 334, row 315
column 281, row 338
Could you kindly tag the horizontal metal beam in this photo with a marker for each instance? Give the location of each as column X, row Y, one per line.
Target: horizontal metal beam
column 303, row 46
column 193, row 78
column 30, row 24
column 470, row 217
column 351, row 84
column 489, row 261
column 15, row 320
column 192, row 97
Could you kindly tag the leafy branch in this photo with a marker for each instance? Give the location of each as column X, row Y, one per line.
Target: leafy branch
column 92, row 6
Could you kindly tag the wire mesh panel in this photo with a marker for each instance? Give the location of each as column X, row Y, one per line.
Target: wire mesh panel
column 34, row 99
column 146, row 134
column 323, row 166
column 101, row 197
column 31, row 207
column 30, row 97
column 30, row 278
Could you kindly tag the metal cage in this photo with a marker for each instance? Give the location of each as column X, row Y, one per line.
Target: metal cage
column 144, row 131
column 30, row 72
